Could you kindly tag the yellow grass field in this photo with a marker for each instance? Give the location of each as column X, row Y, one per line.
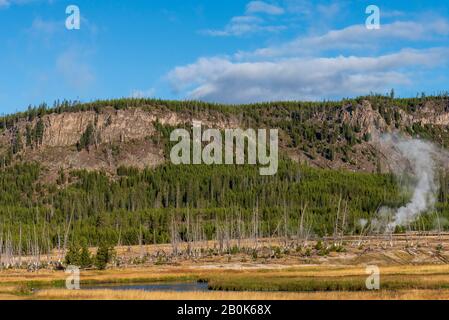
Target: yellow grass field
column 412, row 269
column 413, row 282
column 340, row 295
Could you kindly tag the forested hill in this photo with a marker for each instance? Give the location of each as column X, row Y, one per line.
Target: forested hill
column 99, row 171
column 132, row 132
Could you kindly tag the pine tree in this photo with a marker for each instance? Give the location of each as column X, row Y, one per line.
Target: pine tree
column 39, row 132
column 392, row 94
column 17, row 145
column 73, row 256
column 104, row 255
column 85, row 259
column 87, row 139
column 29, row 136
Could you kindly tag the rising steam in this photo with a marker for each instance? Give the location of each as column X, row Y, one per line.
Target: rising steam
column 421, row 158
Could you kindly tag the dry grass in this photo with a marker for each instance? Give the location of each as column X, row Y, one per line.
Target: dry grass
column 157, row 272
column 91, row 276
column 430, row 274
column 331, row 282
column 412, row 248
column 55, row 294
column 412, row 272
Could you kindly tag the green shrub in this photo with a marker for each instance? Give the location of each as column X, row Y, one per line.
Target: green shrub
column 73, row 255
column 85, row 259
column 319, row 245
column 105, row 254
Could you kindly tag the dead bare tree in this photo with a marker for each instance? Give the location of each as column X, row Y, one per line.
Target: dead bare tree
column 36, row 248
column 439, row 226
column 285, row 225
column 59, row 245
column 343, row 222
column 239, row 228
column 340, row 229
column 301, row 232
column 173, row 235
column 20, row 244
column 337, row 220
column 49, row 245
column 140, row 241
column 227, row 235
column 256, row 225
column 66, row 235
column 188, row 234
column 119, row 240
column 219, row 234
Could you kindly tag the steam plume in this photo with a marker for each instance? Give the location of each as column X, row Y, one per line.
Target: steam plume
column 421, row 157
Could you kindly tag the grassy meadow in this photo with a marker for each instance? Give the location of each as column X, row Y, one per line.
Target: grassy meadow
column 237, row 283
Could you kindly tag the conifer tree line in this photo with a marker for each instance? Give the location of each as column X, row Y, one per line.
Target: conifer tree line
column 330, row 139
column 183, row 203
column 256, row 113
column 191, row 202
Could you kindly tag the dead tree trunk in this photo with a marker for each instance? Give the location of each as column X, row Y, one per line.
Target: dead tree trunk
column 256, row 225
column 337, row 220
column 174, row 235
column 66, row 235
column 301, row 233
column 285, row 226
column 140, row 242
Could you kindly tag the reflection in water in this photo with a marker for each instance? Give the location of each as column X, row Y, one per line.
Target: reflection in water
column 178, row 287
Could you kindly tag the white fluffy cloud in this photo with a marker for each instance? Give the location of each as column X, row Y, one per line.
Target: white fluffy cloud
column 251, row 22
column 243, row 25
column 308, row 68
column 263, row 7
column 355, row 37
column 224, row 80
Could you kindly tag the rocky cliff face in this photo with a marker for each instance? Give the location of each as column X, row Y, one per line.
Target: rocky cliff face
column 111, row 126
column 129, row 137
column 121, row 138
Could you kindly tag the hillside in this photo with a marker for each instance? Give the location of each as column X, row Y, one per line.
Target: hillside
column 130, row 132
column 99, row 171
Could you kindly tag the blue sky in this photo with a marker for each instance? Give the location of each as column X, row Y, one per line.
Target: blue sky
column 225, row 51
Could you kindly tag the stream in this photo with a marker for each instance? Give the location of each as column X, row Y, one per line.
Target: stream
column 177, row 287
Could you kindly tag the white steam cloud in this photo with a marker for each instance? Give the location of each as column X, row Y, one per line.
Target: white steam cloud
column 421, row 158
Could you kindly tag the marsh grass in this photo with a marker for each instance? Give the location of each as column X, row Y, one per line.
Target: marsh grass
column 332, row 279
column 305, row 280
column 58, row 294
column 311, row 284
